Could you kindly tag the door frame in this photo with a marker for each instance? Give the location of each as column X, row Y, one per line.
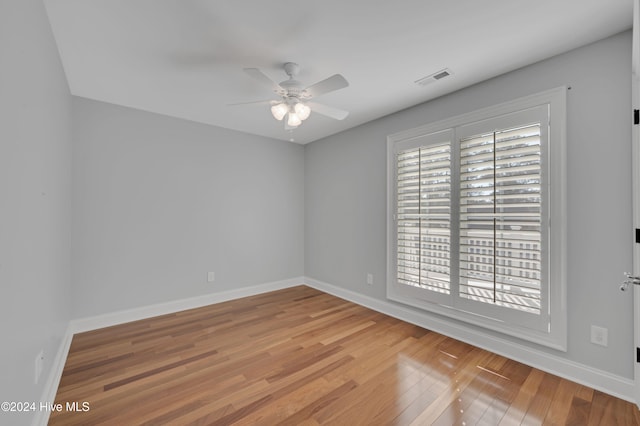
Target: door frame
column 635, row 186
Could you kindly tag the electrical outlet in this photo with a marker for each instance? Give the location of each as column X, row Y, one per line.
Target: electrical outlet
column 370, row 279
column 211, row 277
column 599, row 336
column 38, row 366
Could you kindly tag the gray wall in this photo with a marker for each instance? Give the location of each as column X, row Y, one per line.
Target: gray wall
column 345, row 190
column 35, row 201
column 159, row 202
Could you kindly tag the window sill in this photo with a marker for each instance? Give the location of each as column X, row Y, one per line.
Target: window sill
column 556, row 339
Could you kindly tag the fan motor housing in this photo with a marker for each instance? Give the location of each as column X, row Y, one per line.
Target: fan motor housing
column 293, row 87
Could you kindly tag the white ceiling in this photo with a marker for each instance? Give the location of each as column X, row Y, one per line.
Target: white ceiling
column 184, row 58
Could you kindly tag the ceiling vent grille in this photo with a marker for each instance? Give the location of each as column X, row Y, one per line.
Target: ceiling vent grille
column 439, row 75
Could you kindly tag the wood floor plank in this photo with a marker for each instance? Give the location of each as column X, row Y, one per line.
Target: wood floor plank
column 558, row 412
column 302, row 357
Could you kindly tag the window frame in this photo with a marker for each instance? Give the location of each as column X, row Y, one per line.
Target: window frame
column 554, row 189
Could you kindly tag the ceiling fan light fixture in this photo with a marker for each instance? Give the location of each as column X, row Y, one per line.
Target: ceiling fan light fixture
column 294, row 120
column 293, row 96
column 279, row 110
column 303, row 111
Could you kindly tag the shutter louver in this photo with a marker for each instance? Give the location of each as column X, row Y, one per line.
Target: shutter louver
column 424, row 217
column 500, row 218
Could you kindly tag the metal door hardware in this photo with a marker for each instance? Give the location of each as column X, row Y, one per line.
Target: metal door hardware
column 631, row 280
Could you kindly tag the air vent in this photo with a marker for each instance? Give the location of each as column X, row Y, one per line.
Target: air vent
column 439, row 75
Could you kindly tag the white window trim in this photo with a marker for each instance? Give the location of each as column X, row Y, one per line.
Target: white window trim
column 557, row 336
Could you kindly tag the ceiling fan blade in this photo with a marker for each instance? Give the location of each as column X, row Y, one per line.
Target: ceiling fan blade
column 261, row 77
column 264, row 102
column 335, row 113
column 335, row 82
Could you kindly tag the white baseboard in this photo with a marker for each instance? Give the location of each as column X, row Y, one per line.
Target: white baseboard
column 143, row 312
column 618, row 386
column 53, row 380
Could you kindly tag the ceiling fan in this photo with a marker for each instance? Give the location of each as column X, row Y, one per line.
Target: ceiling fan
column 295, row 99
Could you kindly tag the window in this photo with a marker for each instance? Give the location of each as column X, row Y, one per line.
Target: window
column 471, row 203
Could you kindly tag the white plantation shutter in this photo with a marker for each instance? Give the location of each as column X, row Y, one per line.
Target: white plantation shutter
column 500, row 218
column 424, row 217
column 470, row 212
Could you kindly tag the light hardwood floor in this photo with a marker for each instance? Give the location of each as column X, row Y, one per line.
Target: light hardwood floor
column 300, row 356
